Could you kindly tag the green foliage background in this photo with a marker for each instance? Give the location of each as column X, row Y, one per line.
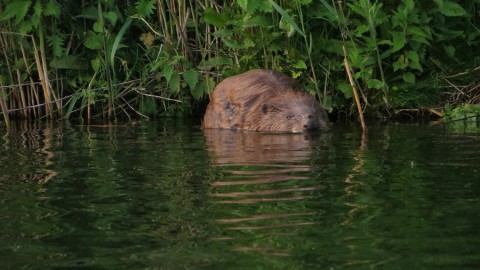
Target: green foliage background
column 160, row 57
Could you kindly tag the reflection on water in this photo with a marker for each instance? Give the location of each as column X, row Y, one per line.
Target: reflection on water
column 266, row 171
column 167, row 195
column 243, row 148
column 29, row 143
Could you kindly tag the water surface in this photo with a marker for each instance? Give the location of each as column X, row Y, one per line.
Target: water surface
column 167, row 195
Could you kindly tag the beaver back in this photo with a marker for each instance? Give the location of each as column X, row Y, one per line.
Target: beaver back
column 263, row 100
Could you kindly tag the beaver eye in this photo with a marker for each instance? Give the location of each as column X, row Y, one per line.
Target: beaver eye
column 264, row 108
column 289, row 116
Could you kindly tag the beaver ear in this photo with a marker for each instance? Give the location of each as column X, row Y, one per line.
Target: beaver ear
column 265, row 108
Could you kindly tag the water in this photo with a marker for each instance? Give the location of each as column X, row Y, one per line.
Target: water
column 166, row 195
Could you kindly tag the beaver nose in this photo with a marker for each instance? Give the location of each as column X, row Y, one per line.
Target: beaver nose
column 309, row 123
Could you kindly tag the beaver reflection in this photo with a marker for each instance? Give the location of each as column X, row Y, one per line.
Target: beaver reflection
column 266, row 185
column 237, row 147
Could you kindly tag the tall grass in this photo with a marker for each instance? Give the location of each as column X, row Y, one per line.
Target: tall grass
column 29, row 92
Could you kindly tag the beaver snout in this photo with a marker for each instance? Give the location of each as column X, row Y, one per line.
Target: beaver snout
column 309, row 122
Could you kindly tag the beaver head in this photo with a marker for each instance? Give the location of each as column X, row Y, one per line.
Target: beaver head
column 292, row 111
column 263, row 100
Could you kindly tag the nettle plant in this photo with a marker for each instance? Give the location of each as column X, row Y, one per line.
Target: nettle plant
column 395, row 50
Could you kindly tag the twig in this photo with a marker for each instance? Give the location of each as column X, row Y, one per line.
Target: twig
column 38, row 105
column 130, row 106
column 148, row 25
column 463, row 73
column 437, row 113
column 159, row 97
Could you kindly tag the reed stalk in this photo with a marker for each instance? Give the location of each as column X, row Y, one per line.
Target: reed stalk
column 22, row 101
column 43, row 79
column 3, row 105
column 33, row 93
column 3, row 94
column 354, row 89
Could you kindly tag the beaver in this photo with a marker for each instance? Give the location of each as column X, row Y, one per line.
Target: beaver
column 264, row 101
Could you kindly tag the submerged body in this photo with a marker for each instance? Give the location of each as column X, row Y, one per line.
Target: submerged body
column 263, row 100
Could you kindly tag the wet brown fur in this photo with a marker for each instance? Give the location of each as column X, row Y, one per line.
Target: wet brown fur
column 263, row 100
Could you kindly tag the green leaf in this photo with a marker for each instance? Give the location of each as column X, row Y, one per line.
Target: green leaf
column 385, row 42
column 346, row 89
column 399, row 41
column 296, row 74
column 409, row 77
column 93, row 41
column 330, row 11
column 67, row 62
column 450, row 9
column 300, row 65
column 287, row 17
column 52, row 8
column 450, row 50
column 328, row 103
column 96, row 64
column 264, row 6
column 147, row 105
column 222, row 33
column 246, row 43
column 287, row 27
column 17, row 9
column 118, row 38
column 89, row 13
column 37, row 14
column 358, row 9
column 330, row 45
column 361, row 29
column 145, row 8
column 374, row 83
column 191, row 77
column 56, row 42
column 414, row 60
column 174, row 82
column 215, row 61
column 421, row 35
column 167, row 72
column 409, row 5
column 248, row 5
column 211, row 16
column 401, row 63
column 98, row 27
column 305, row 2
column 198, row 92
column 261, row 21
column 25, row 27
column 112, row 17
column 203, row 88
column 71, row 104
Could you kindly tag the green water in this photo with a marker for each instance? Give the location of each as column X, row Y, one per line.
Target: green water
column 166, row 195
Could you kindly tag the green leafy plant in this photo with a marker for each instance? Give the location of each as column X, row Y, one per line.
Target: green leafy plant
column 156, row 57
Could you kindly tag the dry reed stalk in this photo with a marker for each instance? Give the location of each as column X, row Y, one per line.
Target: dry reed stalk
column 354, row 88
column 23, row 103
column 3, row 105
column 45, row 85
column 4, row 46
column 162, row 19
column 208, row 41
column 45, row 74
column 34, row 97
column 3, row 94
